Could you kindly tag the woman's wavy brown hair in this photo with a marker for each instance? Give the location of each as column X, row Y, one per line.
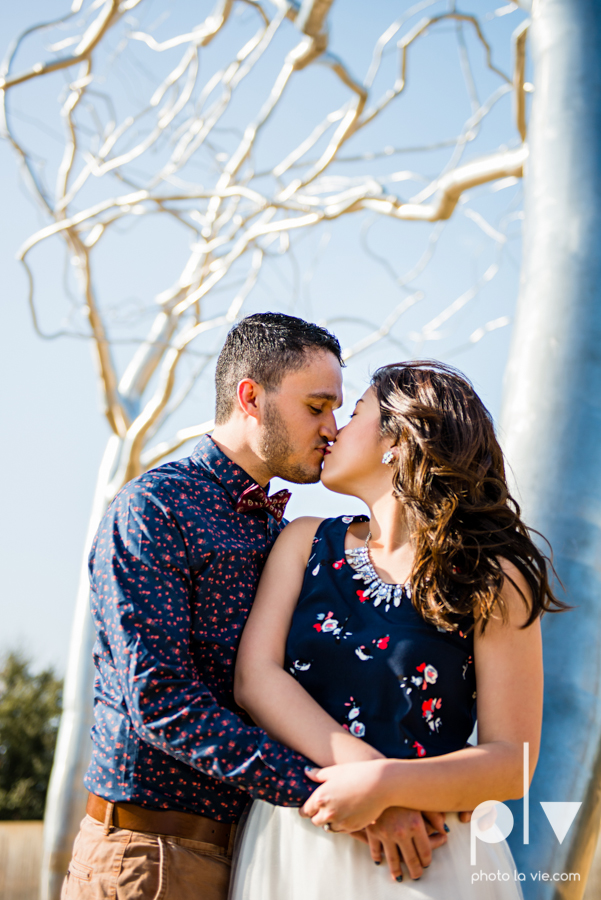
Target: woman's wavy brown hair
column 450, row 477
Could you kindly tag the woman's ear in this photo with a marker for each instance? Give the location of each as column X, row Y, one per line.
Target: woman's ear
column 391, row 456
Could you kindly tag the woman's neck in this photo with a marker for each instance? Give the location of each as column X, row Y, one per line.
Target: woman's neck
column 390, row 546
column 388, row 524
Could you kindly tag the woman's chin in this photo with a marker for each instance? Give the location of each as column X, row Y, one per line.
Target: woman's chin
column 333, row 483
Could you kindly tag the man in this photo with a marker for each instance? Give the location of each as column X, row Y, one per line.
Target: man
column 174, row 568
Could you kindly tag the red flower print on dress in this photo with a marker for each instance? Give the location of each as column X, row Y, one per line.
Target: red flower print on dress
column 355, row 727
column 327, row 624
column 421, row 750
column 361, row 596
column 364, row 653
column 429, row 675
column 338, row 564
column 429, row 707
column 466, row 665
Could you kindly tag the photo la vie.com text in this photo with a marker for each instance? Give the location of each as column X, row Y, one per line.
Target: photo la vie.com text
column 492, row 822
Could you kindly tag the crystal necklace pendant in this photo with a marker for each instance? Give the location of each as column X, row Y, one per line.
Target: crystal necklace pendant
column 377, row 591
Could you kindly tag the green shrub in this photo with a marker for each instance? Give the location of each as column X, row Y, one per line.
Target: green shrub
column 30, row 707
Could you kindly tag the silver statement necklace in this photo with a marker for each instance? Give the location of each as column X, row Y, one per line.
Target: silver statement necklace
column 377, row 590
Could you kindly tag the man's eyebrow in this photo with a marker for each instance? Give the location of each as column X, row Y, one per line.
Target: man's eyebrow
column 325, row 395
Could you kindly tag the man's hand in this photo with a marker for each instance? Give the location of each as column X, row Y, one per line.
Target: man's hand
column 406, row 835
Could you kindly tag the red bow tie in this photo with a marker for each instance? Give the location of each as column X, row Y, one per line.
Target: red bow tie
column 254, row 498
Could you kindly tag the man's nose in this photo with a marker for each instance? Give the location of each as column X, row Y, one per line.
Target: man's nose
column 329, row 428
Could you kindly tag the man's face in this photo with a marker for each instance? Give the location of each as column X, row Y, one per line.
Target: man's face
column 298, row 420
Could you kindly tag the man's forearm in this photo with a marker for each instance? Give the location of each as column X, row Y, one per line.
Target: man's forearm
column 183, row 719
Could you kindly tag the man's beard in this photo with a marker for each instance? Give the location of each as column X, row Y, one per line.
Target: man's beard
column 277, row 450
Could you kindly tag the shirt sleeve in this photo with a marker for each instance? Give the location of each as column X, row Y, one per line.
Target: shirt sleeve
column 141, row 590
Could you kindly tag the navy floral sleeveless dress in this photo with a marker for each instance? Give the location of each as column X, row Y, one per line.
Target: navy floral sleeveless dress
column 408, row 688
column 404, row 685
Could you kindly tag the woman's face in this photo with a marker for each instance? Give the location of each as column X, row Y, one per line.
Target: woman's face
column 353, row 463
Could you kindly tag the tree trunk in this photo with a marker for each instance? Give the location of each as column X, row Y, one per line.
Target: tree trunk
column 551, row 423
column 65, row 806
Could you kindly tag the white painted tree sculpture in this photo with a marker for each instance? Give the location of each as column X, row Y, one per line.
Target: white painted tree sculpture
column 180, row 148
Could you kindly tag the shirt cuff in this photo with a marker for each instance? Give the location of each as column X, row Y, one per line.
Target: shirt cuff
column 289, row 766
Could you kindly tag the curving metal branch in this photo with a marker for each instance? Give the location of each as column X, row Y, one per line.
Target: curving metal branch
column 110, row 10
column 228, row 231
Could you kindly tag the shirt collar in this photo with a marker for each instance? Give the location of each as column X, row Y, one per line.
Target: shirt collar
column 207, row 455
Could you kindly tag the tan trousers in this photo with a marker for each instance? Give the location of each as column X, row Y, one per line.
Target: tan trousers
column 131, row 865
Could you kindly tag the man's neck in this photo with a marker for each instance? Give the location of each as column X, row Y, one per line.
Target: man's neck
column 237, row 448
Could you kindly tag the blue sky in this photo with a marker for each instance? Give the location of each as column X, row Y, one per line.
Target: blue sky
column 54, row 432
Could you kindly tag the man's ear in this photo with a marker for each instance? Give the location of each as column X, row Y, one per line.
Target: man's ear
column 249, row 395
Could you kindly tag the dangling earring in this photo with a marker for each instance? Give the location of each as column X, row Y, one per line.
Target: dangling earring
column 388, row 457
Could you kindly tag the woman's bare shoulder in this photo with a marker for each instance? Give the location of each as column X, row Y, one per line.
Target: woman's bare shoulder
column 305, row 523
column 296, row 539
column 515, row 596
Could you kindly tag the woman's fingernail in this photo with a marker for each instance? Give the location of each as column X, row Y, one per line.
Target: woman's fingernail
column 309, row 770
column 446, row 828
column 399, row 878
column 378, row 862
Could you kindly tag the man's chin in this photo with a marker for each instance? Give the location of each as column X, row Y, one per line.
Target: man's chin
column 300, row 474
column 304, row 478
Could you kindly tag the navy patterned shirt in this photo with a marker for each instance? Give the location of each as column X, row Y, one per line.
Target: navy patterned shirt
column 174, row 569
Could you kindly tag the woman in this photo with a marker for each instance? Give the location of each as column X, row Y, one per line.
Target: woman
column 366, row 644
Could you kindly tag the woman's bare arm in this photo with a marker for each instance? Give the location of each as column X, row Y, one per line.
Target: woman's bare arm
column 509, row 677
column 274, row 699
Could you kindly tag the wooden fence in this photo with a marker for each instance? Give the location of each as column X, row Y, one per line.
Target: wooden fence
column 20, row 859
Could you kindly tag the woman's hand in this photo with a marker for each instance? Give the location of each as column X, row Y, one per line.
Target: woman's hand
column 348, row 798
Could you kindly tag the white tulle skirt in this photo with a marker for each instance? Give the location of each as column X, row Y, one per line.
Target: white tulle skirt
column 281, row 856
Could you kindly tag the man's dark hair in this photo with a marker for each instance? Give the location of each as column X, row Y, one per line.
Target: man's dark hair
column 265, row 347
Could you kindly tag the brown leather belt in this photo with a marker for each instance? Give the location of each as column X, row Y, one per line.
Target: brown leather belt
column 169, row 822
